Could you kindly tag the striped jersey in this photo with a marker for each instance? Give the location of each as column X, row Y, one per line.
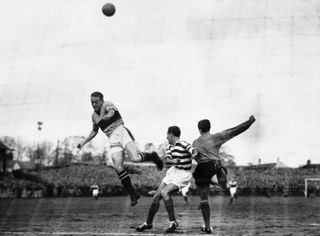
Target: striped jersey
column 182, row 151
column 107, row 126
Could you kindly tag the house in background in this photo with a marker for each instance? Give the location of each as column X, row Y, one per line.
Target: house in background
column 309, row 165
column 6, row 157
column 23, row 165
column 277, row 164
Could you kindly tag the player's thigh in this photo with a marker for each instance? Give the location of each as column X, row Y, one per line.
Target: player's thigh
column 203, row 173
column 117, row 159
column 108, row 160
column 133, row 151
column 157, row 196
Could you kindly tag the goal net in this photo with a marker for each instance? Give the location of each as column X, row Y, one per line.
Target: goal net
column 311, row 183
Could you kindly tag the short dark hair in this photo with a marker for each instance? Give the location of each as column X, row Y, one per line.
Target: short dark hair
column 204, row 125
column 175, row 130
column 97, row 94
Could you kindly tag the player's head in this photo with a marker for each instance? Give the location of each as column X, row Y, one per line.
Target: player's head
column 204, row 126
column 96, row 100
column 173, row 134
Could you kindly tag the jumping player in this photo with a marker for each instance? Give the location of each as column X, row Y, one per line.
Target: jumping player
column 107, row 117
column 179, row 153
column 209, row 163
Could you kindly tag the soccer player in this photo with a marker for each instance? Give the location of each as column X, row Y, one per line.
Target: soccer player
column 209, row 163
column 233, row 185
column 179, row 153
column 106, row 116
column 185, row 189
column 95, row 191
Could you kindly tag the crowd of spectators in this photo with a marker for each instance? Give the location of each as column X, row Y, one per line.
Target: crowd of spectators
column 76, row 180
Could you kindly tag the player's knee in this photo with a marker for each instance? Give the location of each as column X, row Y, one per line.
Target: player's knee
column 204, row 193
column 204, row 205
column 118, row 168
column 136, row 158
column 165, row 194
column 132, row 151
column 109, row 164
column 156, row 198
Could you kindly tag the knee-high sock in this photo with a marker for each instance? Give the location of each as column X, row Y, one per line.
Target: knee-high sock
column 126, row 182
column 146, row 156
column 170, row 209
column 143, row 156
column 153, row 209
column 205, row 210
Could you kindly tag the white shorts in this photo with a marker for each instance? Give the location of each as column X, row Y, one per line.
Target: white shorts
column 95, row 192
column 178, row 177
column 119, row 138
column 233, row 190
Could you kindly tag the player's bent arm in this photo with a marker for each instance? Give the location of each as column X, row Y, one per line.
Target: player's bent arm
column 232, row 132
column 169, row 160
column 110, row 114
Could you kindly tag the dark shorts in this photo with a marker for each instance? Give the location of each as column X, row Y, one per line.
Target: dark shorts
column 205, row 171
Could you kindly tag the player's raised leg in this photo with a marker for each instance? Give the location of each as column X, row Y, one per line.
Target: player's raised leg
column 222, row 176
column 137, row 156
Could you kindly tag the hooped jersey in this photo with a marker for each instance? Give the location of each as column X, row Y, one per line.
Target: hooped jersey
column 182, row 151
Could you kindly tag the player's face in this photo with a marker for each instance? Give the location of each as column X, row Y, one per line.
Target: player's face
column 96, row 103
column 170, row 138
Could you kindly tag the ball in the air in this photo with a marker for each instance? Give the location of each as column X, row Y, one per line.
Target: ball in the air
column 108, row 9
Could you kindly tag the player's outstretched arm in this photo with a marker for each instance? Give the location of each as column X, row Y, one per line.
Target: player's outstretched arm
column 91, row 135
column 232, row 132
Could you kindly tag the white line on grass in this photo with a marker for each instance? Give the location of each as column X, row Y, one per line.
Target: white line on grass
column 314, row 224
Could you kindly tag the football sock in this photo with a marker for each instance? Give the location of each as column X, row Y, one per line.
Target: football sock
column 154, row 207
column 170, row 209
column 126, row 182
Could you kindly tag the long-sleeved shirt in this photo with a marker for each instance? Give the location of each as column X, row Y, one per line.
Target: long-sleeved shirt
column 208, row 145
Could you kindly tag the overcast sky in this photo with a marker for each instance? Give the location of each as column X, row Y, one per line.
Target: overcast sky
column 166, row 62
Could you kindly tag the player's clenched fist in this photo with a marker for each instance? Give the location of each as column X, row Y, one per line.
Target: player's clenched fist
column 252, row 118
